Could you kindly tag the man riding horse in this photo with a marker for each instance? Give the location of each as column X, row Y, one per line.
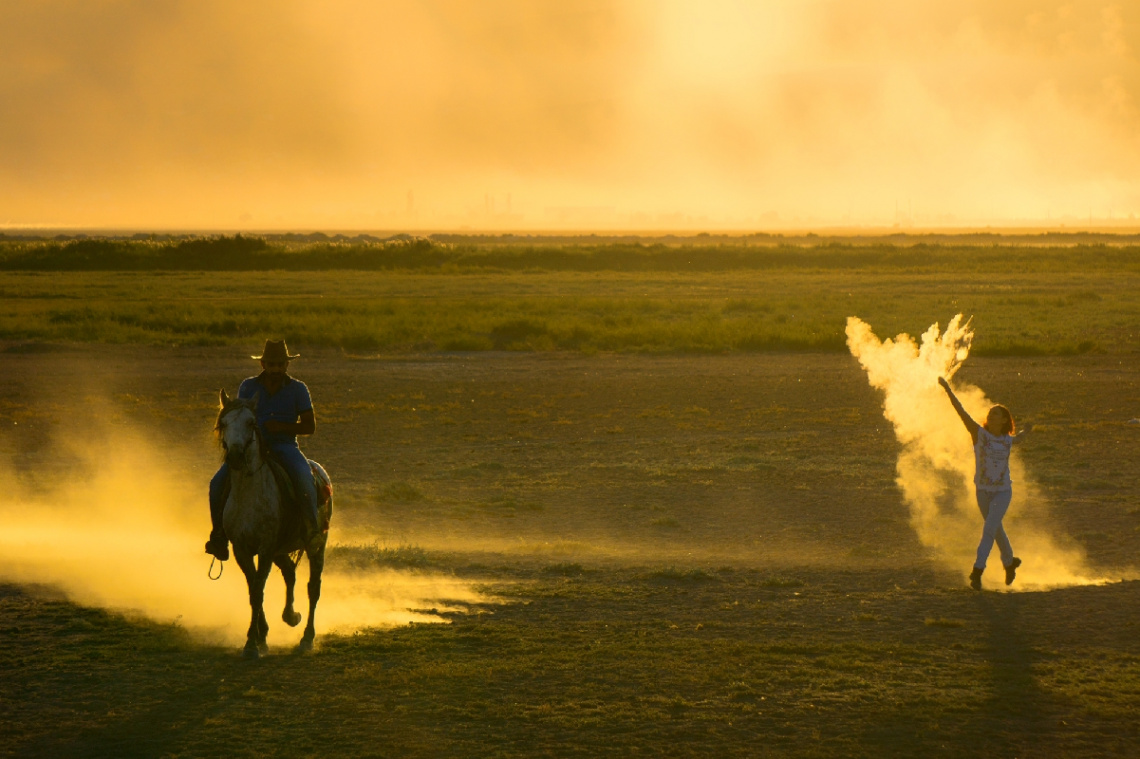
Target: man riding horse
column 284, row 410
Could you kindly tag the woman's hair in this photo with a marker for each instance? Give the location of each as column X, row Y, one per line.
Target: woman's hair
column 1010, row 427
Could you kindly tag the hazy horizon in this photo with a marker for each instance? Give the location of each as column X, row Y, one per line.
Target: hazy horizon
column 603, row 115
column 1123, row 228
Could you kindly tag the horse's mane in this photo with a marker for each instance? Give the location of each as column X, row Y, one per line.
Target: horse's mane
column 218, row 423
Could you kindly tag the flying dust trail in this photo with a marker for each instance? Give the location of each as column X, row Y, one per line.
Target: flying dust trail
column 124, row 530
column 936, row 463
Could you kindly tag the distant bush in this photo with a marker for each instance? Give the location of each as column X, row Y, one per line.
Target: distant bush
column 319, row 252
column 235, row 252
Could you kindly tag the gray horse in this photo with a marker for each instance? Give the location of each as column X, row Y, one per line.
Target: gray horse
column 261, row 526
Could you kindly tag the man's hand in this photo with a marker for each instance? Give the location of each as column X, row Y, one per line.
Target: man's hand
column 306, row 425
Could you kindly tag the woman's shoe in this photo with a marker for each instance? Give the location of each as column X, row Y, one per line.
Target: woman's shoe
column 1011, row 570
column 976, row 579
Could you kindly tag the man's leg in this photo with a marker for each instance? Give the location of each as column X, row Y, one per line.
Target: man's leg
column 301, row 476
column 218, row 545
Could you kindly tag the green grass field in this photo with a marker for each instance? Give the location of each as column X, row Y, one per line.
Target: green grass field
column 664, row 312
column 700, row 295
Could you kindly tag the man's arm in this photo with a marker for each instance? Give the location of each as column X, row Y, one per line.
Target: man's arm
column 971, row 425
column 306, row 425
column 247, row 389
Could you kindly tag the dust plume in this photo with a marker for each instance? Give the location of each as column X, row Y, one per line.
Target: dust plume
column 113, row 523
column 936, row 464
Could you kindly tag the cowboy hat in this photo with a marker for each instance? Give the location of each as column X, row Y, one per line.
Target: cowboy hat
column 275, row 350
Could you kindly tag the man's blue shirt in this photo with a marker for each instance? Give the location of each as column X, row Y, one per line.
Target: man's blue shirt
column 286, row 405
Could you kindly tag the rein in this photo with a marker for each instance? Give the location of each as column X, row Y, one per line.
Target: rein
column 221, row 568
column 262, row 448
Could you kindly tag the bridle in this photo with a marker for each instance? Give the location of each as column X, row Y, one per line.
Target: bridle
column 262, row 448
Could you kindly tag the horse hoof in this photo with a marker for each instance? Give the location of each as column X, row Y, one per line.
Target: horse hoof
column 305, row 646
column 251, row 651
column 262, row 647
column 291, row 619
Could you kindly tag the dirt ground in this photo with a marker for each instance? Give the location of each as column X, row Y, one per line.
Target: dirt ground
column 746, row 498
column 753, row 459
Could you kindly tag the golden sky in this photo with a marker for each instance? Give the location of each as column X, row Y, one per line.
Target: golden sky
column 532, row 114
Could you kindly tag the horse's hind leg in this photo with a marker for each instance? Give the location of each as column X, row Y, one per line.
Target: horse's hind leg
column 262, row 632
column 289, row 573
column 316, row 567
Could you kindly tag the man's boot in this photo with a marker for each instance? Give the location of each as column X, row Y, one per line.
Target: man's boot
column 976, row 579
column 218, row 545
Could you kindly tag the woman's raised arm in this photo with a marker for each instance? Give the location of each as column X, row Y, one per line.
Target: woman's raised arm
column 971, row 425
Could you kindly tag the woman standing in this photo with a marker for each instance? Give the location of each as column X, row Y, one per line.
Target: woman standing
column 992, row 444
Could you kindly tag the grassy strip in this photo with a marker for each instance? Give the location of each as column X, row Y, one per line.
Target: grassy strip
column 1031, row 314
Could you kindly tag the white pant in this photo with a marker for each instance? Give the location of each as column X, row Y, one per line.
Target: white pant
column 993, row 505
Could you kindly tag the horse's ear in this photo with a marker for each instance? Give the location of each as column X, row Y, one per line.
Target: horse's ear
column 223, row 398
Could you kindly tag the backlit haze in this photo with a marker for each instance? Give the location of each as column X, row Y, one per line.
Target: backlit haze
column 530, row 115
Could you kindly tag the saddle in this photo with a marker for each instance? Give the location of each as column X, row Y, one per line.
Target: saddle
column 321, row 482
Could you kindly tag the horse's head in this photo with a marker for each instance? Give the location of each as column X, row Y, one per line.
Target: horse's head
column 237, row 431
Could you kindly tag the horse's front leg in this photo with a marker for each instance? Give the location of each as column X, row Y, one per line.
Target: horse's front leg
column 255, row 577
column 264, row 566
column 289, row 574
column 316, row 567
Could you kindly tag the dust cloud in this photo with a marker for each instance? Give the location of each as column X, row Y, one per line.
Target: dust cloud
column 936, row 464
column 593, row 114
column 118, row 527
